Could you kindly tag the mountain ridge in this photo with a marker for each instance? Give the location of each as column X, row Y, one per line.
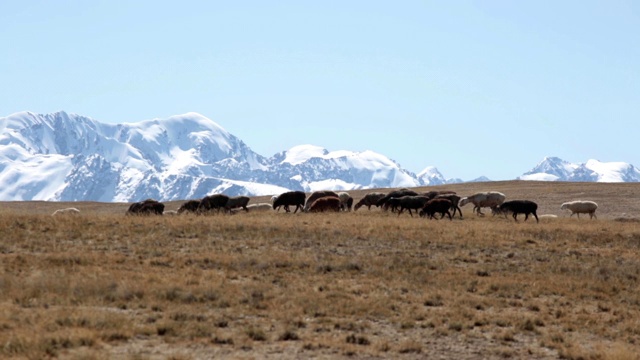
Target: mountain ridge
column 68, row 157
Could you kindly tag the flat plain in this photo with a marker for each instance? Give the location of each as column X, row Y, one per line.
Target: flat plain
column 365, row 285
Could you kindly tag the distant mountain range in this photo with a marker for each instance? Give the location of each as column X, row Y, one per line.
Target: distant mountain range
column 68, row 157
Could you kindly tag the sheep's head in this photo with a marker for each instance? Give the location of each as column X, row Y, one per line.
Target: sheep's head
column 464, row 201
column 564, row 206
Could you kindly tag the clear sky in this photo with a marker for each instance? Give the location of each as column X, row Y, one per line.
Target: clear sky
column 470, row 87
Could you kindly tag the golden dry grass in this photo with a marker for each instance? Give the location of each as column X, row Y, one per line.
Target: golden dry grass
column 367, row 284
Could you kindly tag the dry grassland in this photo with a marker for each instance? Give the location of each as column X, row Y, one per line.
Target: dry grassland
column 366, row 284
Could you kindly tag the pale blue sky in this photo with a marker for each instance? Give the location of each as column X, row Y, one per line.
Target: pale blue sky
column 471, row 87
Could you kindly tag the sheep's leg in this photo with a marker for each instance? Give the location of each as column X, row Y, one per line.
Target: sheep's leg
column 536, row 215
column 515, row 216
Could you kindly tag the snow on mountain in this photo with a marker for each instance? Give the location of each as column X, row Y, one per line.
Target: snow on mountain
column 431, row 176
column 67, row 157
column 555, row 169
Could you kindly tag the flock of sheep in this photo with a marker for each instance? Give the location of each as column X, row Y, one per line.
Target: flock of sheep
column 428, row 204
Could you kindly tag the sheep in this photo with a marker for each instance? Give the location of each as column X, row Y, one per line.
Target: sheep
column 516, row 207
column 260, row 207
column 317, row 195
column 455, row 201
column 146, row 207
column 325, row 203
column 394, row 194
column 484, row 199
column 212, row 202
column 581, row 207
column 368, row 200
column 434, row 193
column 67, row 211
column 189, row 206
column 237, row 202
column 437, row 205
column 346, row 201
column 411, row 203
column 290, row 198
column 170, row 212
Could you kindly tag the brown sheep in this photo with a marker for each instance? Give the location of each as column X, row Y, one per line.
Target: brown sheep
column 317, row 195
column 189, row 206
column 326, row 203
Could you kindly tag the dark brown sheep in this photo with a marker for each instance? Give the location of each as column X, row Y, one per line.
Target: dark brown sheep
column 411, row 203
column 237, row 202
column 212, row 202
column 455, row 200
column 290, row 198
column 189, row 206
column 394, row 194
column 326, row 203
column 317, row 195
column 437, row 205
column 371, row 199
column 146, row 207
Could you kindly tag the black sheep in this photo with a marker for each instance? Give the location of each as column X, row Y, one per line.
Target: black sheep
column 516, row 207
column 290, row 198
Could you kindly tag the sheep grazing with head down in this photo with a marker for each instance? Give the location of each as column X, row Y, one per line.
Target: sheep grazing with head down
column 484, row 199
column 346, row 201
column 369, row 200
column 581, row 207
column 189, row 206
column 317, row 195
column 325, row 203
column 146, row 207
column 516, row 207
column 237, row 202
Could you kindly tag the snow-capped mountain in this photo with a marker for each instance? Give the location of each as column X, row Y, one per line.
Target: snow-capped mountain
column 555, row 169
column 67, row 157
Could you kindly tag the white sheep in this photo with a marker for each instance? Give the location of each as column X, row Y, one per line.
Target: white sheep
column 67, row 211
column 170, row 212
column 483, row 199
column 581, row 206
column 345, row 201
column 260, row 207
